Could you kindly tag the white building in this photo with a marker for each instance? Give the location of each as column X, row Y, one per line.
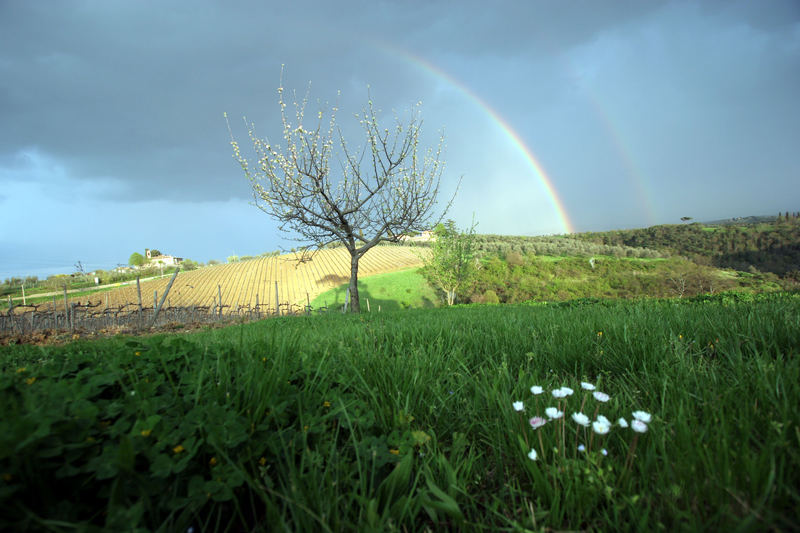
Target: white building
column 166, row 260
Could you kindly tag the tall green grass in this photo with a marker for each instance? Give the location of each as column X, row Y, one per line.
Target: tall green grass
column 404, row 421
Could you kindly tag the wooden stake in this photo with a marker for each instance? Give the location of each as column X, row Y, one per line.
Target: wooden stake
column 66, row 310
column 277, row 302
column 139, row 293
column 164, row 296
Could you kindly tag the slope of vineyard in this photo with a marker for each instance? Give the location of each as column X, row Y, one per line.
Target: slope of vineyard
column 243, row 284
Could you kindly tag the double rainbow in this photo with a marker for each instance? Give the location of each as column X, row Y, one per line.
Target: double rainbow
column 538, row 171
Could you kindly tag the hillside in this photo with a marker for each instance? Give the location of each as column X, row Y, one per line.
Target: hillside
column 764, row 246
column 519, row 278
column 660, row 261
column 244, row 283
column 752, row 253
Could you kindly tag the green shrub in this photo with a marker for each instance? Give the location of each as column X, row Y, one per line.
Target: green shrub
column 490, row 297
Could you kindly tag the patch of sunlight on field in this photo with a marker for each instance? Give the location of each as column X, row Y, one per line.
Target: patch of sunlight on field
column 391, row 291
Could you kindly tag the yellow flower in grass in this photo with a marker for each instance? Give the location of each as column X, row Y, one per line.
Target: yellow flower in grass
column 146, row 433
column 137, row 354
column 394, row 451
column 178, row 449
column 30, row 381
column 262, row 461
column 21, row 370
column 326, row 404
column 212, row 461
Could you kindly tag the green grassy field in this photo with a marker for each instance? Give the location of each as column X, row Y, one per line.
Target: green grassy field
column 391, row 291
column 405, row 421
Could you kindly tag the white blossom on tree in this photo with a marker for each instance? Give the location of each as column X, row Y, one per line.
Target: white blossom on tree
column 321, row 191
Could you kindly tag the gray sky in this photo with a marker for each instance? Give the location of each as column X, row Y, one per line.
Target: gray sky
column 113, row 137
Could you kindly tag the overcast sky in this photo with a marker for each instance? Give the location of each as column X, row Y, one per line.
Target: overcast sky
column 112, row 135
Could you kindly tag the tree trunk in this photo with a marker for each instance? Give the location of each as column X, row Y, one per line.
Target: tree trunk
column 355, row 307
column 451, row 297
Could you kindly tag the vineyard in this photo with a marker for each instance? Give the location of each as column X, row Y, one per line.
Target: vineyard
column 252, row 289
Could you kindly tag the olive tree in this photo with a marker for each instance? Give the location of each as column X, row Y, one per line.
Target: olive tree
column 321, row 190
column 136, row 259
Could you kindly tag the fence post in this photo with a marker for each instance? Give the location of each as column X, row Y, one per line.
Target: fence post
column 55, row 315
column 11, row 313
column 258, row 311
column 72, row 318
column 219, row 297
column 66, row 310
column 139, row 293
column 277, row 303
column 155, row 301
column 164, row 296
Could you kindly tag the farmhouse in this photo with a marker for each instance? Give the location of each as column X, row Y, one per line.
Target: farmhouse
column 166, row 260
column 424, row 236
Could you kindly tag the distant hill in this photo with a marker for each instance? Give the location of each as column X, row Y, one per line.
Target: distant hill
column 741, row 221
column 743, row 244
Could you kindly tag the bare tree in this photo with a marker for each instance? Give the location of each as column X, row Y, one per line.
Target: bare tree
column 323, row 191
column 679, row 284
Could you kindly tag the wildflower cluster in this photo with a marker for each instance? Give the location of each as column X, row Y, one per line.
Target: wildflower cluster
column 597, row 425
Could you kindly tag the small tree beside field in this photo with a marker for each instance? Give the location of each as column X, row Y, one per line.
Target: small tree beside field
column 451, row 264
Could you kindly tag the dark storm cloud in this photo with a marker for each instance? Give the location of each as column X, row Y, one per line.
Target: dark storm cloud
column 134, row 91
column 131, row 94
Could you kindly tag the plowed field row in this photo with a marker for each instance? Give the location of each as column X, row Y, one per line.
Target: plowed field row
column 242, row 284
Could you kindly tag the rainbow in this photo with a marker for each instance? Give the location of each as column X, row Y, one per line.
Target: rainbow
column 631, row 168
column 538, row 171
